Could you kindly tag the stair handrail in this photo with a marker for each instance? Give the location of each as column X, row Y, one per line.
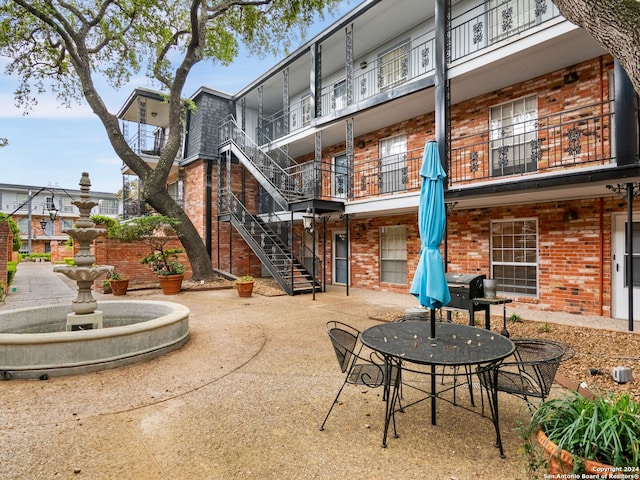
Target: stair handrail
column 270, row 169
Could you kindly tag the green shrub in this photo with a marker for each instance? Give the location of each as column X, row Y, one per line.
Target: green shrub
column 11, row 272
column 605, row 428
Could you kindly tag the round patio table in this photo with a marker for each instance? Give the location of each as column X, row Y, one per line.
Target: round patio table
column 454, row 345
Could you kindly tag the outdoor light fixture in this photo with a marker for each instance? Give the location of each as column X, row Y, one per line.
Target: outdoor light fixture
column 43, row 224
column 53, row 211
column 307, row 221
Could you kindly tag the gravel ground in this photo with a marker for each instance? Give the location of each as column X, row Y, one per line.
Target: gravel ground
column 588, row 348
column 244, row 399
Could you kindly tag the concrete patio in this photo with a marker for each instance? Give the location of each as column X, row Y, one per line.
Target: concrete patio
column 243, row 399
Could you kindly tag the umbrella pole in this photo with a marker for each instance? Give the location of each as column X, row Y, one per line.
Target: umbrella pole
column 433, row 322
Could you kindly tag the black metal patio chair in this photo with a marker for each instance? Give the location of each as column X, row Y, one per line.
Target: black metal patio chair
column 369, row 370
column 529, row 373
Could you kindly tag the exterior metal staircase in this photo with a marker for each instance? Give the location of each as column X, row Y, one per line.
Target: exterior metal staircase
column 284, row 180
column 276, row 256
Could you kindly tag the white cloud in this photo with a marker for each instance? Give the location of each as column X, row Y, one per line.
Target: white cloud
column 47, row 107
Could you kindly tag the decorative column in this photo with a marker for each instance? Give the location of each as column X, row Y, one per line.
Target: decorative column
column 285, row 103
column 349, row 63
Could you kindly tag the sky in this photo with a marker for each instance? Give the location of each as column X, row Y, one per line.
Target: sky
column 53, row 145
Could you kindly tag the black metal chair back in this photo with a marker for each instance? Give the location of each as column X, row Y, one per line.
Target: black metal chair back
column 359, row 370
column 531, row 371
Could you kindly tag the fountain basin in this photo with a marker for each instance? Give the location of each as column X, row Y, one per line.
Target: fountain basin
column 135, row 331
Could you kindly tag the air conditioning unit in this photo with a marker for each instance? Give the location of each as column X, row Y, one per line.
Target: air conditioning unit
column 622, row 374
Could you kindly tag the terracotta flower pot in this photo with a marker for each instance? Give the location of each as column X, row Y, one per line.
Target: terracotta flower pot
column 119, row 287
column 563, row 462
column 171, row 284
column 245, row 289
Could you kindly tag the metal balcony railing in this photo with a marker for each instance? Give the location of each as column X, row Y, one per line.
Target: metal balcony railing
column 576, row 138
column 492, row 21
column 580, row 137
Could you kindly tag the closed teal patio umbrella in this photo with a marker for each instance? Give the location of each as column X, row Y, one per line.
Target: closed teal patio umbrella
column 429, row 283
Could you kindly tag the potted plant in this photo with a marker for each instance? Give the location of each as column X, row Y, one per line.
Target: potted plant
column 106, row 287
column 169, row 270
column 118, row 284
column 598, row 435
column 155, row 231
column 244, row 285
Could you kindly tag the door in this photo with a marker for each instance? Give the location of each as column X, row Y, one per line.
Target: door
column 340, row 258
column 339, row 177
column 620, row 290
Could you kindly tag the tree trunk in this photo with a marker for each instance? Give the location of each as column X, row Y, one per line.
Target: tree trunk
column 189, row 237
column 615, row 24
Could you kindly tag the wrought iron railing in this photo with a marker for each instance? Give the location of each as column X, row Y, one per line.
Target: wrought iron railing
column 272, row 240
column 388, row 175
column 493, row 21
column 579, row 137
column 414, row 59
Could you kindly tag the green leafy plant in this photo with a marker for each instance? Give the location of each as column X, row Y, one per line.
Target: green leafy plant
column 605, row 428
column 245, row 278
column 113, row 275
column 545, row 328
column 515, row 318
column 3, row 292
column 155, row 232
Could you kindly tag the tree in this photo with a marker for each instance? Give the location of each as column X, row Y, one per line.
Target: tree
column 615, row 24
column 66, row 46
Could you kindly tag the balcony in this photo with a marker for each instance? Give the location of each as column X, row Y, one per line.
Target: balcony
column 578, row 138
column 494, row 21
column 573, row 140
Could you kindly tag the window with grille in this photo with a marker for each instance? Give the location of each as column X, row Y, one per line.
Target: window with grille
column 393, row 67
column 514, row 255
column 306, row 111
column 23, row 225
column 393, row 254
column 513, row 135
column 508, row 17
column 108, row 207
column 339, row 95
column 393, row 164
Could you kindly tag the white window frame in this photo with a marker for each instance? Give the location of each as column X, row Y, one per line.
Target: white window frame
column 393, row 163
column 514, row 256
column 339, row 95
column 509, row 17
column 393, row 67
column 339, row 173
column 393, row 254
column 305, row 105
column 513, row 127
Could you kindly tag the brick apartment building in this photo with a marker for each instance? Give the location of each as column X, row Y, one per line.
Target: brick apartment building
column 535, row 123
column 42, row 213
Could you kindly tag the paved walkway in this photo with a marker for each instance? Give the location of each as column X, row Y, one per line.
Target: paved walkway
column 242, row 400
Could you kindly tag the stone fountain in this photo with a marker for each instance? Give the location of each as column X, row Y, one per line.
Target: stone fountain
column 36, row 343
column 84, row 272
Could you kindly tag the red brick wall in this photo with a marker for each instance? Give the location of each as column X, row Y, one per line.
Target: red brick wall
column 125, row 257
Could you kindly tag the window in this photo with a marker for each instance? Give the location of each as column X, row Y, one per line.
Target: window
column 339, row 99
column 108, row 207
column 64, row 204
column 67, row 224
column 513, row 132
column 393, row 164
column 339, row 176
column 23, row 225
column 514, row 255
column 306, row 111
column 508, row 17
column 393, row 254
column 393, row 67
